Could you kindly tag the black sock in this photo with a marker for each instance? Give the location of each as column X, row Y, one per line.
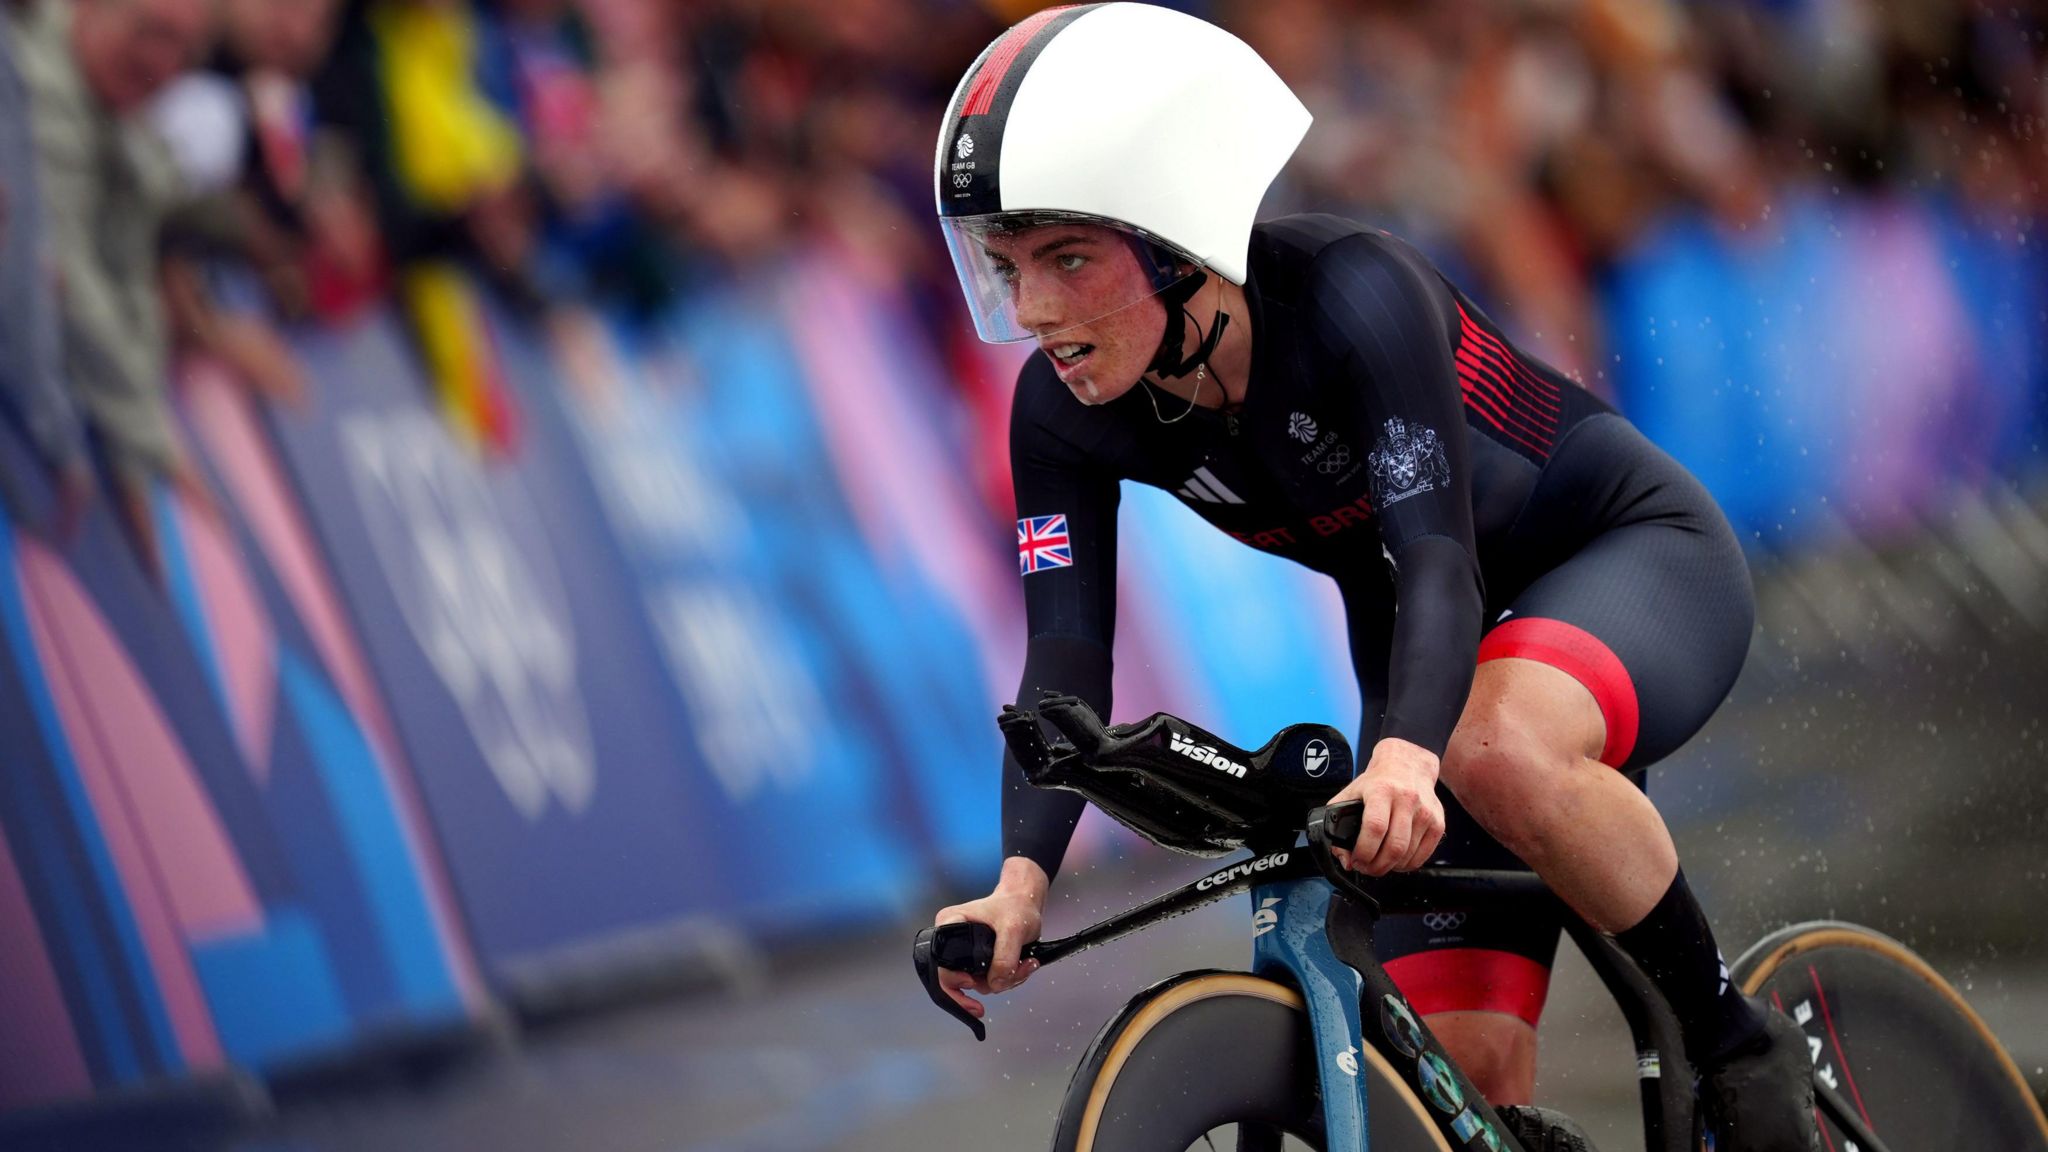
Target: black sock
column 1676, row 950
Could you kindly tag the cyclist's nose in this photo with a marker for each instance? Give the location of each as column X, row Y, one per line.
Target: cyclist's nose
column 1039, row 307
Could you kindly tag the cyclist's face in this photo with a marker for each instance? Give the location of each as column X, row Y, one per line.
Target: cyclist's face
column 1081, row 290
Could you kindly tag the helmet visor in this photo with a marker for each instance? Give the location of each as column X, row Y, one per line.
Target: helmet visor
column 1028, row 276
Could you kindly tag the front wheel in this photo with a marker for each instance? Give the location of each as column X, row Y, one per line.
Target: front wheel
column 1895, row 1040
column 1204, row 1050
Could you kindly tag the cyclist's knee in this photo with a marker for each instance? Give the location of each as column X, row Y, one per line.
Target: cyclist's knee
column 1496, row 763
column 1525, row 729
column 1497, row 1052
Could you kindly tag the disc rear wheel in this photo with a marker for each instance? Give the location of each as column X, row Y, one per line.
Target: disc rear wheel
column 1896, row 1041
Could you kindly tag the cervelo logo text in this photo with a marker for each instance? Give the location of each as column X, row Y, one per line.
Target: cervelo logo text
column 489, row 614
column 1240, row 871
column 1205, row 754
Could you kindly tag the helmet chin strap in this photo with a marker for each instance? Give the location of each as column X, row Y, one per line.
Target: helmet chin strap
column 1168, row 361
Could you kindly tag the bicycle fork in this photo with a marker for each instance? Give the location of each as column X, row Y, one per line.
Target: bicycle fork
column 1323, row 946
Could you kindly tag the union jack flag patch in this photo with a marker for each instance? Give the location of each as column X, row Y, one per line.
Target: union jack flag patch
column 1042, row 543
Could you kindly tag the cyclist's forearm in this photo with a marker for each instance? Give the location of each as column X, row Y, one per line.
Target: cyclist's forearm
column 1038, row 823
column 1437, row 621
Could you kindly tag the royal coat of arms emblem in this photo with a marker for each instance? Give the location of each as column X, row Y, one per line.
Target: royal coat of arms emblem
column 1408, row 459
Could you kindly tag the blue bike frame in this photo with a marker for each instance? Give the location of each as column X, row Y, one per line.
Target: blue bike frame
column 1295, row 935
column 1290, row 946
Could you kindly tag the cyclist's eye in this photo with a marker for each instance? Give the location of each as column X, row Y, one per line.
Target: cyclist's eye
column 1006, row 270
column 1072, row 263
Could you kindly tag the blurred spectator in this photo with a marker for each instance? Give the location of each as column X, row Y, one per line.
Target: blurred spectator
column 31, row 368
column 203, row 121
column 107, row 182
column 303, row 219
column 1654, row 195
column 449, row 173
column 538, row 65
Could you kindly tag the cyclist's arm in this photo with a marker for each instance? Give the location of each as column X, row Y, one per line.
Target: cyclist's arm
column 1070, row 609
column 1381, row 315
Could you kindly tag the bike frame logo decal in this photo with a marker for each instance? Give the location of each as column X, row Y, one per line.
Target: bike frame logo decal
column 1315, row 759
column 1439, row 1086
column 1265, row 919
column 1401, row 1026
column 1239, row 871
column 1438, row 1083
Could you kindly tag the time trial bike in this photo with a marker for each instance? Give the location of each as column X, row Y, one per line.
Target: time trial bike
column 1316, row 1042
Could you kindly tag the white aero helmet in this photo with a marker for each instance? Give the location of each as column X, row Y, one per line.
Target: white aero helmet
column 1152, row 122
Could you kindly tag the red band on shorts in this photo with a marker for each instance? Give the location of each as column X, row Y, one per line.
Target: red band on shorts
column 1472, row 980
column 1579, row 654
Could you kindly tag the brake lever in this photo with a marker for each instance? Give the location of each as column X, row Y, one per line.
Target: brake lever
column 1336, row 826
column 962, row 946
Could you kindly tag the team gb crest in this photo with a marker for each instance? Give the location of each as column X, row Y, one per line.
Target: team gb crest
column 1408, row 459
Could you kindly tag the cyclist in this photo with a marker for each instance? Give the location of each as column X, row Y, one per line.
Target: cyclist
column 1540, row 602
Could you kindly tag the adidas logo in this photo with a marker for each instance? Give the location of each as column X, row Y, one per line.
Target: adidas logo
column 1203, row 486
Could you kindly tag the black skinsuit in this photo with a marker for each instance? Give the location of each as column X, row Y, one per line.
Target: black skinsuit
column 1391, row 438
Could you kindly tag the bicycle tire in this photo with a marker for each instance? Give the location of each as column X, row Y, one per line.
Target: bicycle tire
column 1204, row 1049
column 1902, row 1045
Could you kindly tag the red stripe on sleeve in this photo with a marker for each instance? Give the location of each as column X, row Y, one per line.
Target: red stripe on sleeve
column 1484, row 344
column 1527, row 385
column 1475, row 374
column 1472, row 398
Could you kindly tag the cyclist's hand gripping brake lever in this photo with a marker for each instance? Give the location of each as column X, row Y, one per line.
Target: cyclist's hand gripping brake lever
column 966, row 946
column 963, row 947
column 1336, row 826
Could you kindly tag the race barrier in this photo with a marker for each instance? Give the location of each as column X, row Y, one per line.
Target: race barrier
column 207, row 864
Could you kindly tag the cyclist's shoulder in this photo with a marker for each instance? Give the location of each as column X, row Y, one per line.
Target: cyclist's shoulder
column 1300, row 247
column 1341, row 271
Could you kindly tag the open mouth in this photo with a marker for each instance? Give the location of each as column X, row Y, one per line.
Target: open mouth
column 1067, row 357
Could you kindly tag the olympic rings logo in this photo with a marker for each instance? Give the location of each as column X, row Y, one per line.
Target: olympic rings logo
column 1443, row 921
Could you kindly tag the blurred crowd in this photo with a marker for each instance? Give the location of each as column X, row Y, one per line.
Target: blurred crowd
column 201, row 176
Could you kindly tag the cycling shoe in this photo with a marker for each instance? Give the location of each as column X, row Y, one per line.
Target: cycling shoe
column 1760, row 1099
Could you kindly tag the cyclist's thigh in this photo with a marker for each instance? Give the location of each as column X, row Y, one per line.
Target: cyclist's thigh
column 1653, row 614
